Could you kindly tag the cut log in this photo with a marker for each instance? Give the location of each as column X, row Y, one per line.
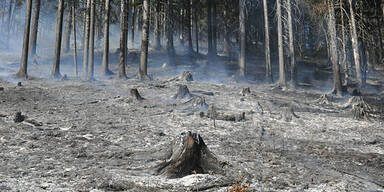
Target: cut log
column 184, row 76
column 182, row 93
column 135, row 95
column 190, row 155
column 213, row 114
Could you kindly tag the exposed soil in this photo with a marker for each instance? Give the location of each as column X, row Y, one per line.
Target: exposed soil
column 92, row 136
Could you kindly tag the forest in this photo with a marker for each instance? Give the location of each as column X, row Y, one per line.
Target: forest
column 191, row 95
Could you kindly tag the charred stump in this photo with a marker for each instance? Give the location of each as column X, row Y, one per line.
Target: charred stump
column 135, row 95
column 245, row 91
column 18, row 118
column 189, row 155
column 182, row 92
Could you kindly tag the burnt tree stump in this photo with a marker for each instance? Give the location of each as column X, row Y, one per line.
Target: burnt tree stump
column 184, row 76
column 182, row 92
column 189, row 155
column 18, row 118
column 135, row 95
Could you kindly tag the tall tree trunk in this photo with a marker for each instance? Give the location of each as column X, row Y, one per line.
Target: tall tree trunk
column 35, row 26
column 157, row 44
column 282, row 78
column 24, row 57
column 9, row 21
column 195, row 7
column 170, row 46
column 133, row 23
column 105, row 64
column 214, row 28
column 74, row 37
column 333, row 49
column 144, row 42
column 181, row 22
column 379, row 22
column 123, row 41
column 59, row 32
column 86, row 38
column 355, row 46
column 209, row 23
column 268, row 66
column 67, row 33
column 291, row 44
column 243, row 42
column 189, row 28
column 91, row 41
column 344, row 61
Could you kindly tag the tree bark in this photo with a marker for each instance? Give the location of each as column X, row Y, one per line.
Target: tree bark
column 268, row 66
column 59, row 32
column 91, row 42
column 292, row 59
column 133, row 23
column 105, row 64
column 86, row 39
column 188, row 24
column 157, row 43
column 195, row 6
column 123, row 46
column 243, row 42
column 209, row 23
column 24, row 57
column 355, row 46
column 214, row 28
column 282, row 78
column 67, row 33
column 74, row 37
column 144, row 42
column 344, row 45
column 333, row 49
column 170, row 46
column 35, row 26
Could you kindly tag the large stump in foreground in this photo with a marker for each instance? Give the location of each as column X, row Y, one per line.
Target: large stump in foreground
column 189, row 155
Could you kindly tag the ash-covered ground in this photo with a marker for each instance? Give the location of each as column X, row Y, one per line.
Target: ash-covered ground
column 93, row 136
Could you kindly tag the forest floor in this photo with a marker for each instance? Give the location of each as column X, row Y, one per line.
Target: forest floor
column 92, row 136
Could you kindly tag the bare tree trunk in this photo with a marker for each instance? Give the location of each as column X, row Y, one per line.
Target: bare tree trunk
column 196, row 2
column 243, row 42
column 67, row 33
column 268, row 66
column 209, row 23
column 170, row 47
column 189, row 28
column 133, row 24
column 74, row 37
column 214, row 28
column 144, row 42
column 86, row 39
column 282, row 78
column 157, row 44
column 181, row 19
column 123, row 46
column 24, row 58
column 35, row 26
column 333, row 49
column 105, row 64
column 91, row 42
column 291, row 45
column 379, row 22
column 344, row 45
column 59, row 33
column 355, row 46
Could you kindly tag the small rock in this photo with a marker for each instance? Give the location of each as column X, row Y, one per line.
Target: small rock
column 162, row 134
column 18, row 117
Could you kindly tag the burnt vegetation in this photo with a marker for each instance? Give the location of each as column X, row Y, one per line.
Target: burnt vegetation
column 191, row 95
